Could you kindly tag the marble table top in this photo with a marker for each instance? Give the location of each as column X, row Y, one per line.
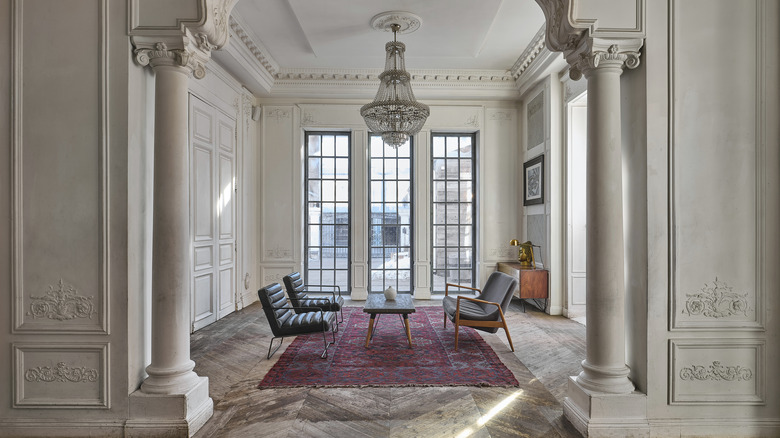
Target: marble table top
column 376, row 303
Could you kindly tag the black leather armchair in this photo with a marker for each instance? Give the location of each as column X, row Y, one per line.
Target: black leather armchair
column 485, row 313
column 285, row 322
column 298, row 297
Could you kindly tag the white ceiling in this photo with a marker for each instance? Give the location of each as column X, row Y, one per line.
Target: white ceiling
column 455, row 34
column 335, row 35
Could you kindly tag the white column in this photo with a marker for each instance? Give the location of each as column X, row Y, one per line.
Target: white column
column 604, row 369
column 171, row 369
column 173, row 400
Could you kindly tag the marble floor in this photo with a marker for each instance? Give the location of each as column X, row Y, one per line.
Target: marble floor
column 548, row 349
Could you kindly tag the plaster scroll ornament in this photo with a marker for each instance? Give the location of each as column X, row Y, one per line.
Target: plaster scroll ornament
column 61, row 373
column 716, row 301
column 612, row 57
column 716, row 371
column 160, row 55
column 63, row 303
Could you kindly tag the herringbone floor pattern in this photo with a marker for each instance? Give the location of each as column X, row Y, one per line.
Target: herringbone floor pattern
column 548, row 349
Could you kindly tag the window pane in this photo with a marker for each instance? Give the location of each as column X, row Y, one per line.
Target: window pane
column 342, row 145
column 391, row 233
column 452, row 220
column 327, row 251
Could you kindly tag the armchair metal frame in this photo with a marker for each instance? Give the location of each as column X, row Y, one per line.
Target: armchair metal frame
column 335, row 300
column 324, row 330
column 475, row 323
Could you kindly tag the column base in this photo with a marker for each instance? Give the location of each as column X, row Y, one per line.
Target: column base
column 170, row 415
column 596, row 414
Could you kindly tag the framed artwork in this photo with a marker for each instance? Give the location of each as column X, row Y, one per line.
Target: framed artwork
column 533, row 181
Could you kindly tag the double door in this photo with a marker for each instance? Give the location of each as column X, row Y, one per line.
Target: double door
column 213, row 219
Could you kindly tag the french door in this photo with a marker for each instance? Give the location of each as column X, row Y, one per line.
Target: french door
column 212, row 207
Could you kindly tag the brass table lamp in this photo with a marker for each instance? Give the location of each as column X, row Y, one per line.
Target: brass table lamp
column 525, row 255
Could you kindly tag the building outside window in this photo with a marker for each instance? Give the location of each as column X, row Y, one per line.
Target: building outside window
column 390, row 216
column 327, row 240
column 453, row 212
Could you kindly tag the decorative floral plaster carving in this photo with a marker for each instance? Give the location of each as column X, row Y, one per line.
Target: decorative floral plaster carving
column 279, row 253
column 716, row 301
column 501, row 115
column 716, row 371
column 472, row 121
column 278, row 114
column 273, row 277
column 62, row 304
column 308, row 119
column 61, row 373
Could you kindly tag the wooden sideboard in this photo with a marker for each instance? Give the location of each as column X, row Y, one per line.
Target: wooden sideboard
column 533, row 284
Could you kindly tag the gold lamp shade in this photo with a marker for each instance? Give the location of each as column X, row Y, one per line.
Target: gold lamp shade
column 525, row 255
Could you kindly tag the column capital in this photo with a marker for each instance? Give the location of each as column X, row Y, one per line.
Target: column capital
column 186, row 44
column 617, row 54
column 158, row 53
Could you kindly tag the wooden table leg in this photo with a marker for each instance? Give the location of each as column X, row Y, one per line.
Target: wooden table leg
column 370, row 328
column 408, row 332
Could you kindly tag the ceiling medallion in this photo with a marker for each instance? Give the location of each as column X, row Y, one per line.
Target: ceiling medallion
column 394, row 113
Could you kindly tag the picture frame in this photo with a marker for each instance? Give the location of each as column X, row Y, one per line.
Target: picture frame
column 533, row 181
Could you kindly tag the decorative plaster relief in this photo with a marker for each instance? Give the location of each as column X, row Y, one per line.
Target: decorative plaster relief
column 706, row 371
column 62, row 304
column 716, row 301
column 61, row 373
column 472, row 121
column 501, row 116
column 502, row 253
column 278, row 253
column 308, row 119
column 716, row 371
column 278, row 114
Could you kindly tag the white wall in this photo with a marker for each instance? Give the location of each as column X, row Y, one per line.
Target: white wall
column 712, row 210
column 64, row 187
column 281, row 179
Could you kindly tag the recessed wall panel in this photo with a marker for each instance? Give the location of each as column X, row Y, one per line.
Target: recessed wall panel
column 58, row 375
column 60, row 173
column 716, row 171
column 715, row 371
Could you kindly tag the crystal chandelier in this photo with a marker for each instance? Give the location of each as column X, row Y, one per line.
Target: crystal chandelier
column 395, row 113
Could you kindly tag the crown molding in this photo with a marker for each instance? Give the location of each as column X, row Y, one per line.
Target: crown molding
column 247, row 53
column 530, row 54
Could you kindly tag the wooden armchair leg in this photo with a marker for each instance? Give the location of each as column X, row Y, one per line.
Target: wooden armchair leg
column 506, row 329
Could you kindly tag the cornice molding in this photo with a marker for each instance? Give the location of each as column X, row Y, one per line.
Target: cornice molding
column 530, row 54
column 258, row 50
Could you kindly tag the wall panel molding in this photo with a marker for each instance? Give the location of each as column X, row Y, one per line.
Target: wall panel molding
column 61, row 375
column 24, row 317
column 717, row 371
column 716, row 295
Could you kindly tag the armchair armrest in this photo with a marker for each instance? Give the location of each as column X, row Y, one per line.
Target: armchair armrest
column 447, row 288
column 334, row 293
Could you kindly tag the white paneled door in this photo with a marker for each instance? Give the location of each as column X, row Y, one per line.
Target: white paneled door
column 212, row 204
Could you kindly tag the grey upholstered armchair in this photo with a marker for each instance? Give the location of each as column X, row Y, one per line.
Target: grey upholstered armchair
column 485, row 313
column 285, row 322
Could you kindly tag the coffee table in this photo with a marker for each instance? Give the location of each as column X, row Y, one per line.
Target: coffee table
column 376, row 305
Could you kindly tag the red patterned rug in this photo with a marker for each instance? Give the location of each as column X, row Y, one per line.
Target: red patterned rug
column 388, row 361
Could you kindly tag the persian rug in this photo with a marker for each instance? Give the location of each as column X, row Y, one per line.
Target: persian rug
column 388, row 361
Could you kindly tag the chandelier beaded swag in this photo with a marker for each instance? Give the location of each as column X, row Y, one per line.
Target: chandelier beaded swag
column 394, row 113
